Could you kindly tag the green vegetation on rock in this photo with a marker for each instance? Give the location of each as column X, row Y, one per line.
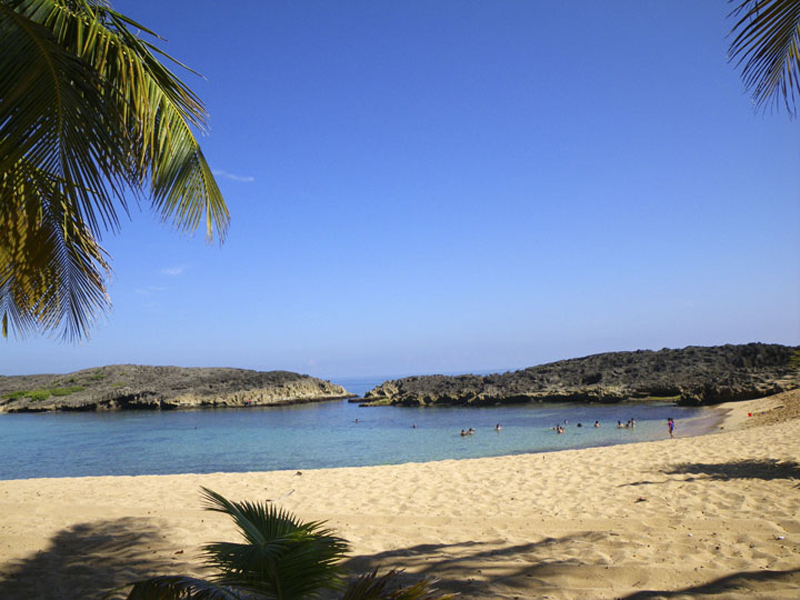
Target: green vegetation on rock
column 66, row 391
column 43, row 394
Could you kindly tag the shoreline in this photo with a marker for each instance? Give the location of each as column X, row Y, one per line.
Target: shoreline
column 711, row 421
column 716, row 515
column 257, row 450
column 721, row 418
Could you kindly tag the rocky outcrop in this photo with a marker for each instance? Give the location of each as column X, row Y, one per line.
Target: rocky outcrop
column 120, row 387
column 691, row 376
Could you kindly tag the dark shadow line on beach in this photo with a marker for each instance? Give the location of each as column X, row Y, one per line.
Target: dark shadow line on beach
column 744, row 582
column 474, row 567
column 89, row 559
column 477, row 569
column 764, row 469
column 761, row 469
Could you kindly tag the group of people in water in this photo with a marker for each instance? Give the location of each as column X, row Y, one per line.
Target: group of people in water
column 630, row 424
column 561, row 429
column 471, row 431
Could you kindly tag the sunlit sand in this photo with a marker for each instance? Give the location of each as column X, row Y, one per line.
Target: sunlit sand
column 714, row 515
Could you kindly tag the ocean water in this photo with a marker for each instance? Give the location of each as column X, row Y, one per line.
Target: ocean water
column 308, row 436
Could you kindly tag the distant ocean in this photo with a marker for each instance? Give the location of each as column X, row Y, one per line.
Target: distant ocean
column 361, row 385
column 310, row 436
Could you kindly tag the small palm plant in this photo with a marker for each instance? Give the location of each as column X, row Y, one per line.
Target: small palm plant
column 281, row 558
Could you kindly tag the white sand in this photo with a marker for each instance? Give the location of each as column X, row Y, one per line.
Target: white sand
column 715, row 516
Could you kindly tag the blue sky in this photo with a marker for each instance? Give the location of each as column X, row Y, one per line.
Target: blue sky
column 455, row 186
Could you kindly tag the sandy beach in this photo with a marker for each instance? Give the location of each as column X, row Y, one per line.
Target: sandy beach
column 714, row 516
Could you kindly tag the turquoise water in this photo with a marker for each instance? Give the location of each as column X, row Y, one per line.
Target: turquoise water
column 305, row 436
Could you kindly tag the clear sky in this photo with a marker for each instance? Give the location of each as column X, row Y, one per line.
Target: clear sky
column 454, row 186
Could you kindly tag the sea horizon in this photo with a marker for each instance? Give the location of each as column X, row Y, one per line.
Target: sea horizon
column 361, row 385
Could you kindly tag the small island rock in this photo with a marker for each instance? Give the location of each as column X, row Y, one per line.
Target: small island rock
column 119, row 387
column 691, row 376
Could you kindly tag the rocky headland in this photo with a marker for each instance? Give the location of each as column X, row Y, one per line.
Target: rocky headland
column 119, row 387
column 690, row 376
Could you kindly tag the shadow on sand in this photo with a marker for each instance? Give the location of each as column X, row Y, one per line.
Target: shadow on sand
column 745, row 583
column 89, row 559
column 766, row 469
column 477, row 570
column 473, row 569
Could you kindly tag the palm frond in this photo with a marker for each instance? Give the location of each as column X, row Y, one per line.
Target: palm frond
column 52, row 270
column 54, row 114
column 372, row 587
column 282, row 559
column 87, row 107
column 177, row 587
column 158, row 109
column 154, row 109
column 281, row 556
column 767, row 48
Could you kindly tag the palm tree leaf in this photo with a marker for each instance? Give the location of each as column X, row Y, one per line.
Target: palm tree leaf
column 54, row 114
column 258, row 523
column 62, row 170
column 180, row 588
column 372, row 587
column 767, row 48
column 159, row 109
column 281, row 557
column 52, row 270
column 85, row 105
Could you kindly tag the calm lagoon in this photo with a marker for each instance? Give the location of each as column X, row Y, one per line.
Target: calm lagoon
column 309, row 436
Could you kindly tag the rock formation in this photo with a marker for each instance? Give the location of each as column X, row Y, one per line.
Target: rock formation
column 691, row 376
column 144, row 387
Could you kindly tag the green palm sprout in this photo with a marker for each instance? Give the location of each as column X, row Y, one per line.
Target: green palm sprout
column 280, row 558
column 87, row 114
